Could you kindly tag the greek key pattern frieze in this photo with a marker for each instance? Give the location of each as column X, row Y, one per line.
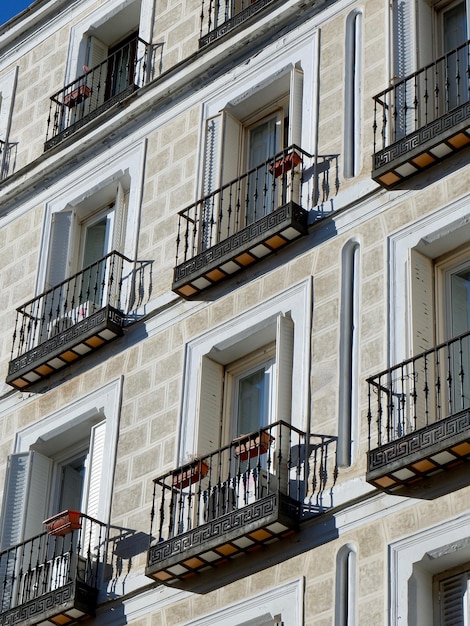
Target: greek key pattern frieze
column 227, row 249
column 232, row 23
column 420, row 440
column 66, row 337
column 442, row 125
column 240, row 519
column 38, row 607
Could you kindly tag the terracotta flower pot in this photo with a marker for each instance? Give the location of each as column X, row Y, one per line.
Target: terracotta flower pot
column 63, row 523
column 285, row 164
column 76, row 96
column 252, row 446
column 189, row 474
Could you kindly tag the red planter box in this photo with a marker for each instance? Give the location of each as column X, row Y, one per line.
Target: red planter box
column 189, row 474
column 285, row 164
column 77, row 96
column 63, row 523
column 252, row 446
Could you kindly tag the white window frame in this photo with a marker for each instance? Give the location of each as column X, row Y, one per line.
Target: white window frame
column 433, row 235
column 413, row 562
column 101, row 405
column 240, row 333
column 77, row 41
column 280, row 605
column 7, row 97
column 93, row 185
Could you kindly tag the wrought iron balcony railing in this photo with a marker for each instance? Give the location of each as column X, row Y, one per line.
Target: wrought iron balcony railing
column 130, row 67
column 53, row 576
column 6, row 156
column 70, row 320
column 247, row 219
column 219, row 17
column 237, row 498
column 419, row 415
column 422, row 118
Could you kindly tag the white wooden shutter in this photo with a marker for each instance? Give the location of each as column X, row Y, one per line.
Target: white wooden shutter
column 284, row 364
column 96, row 80
column 119, row 219
column 212, row 154
column 422, row 301
column 59, row 244
column 95, row 462
column 426, row 37
column 232, row 134
column 26, row 497
column 37, row 493
column 14, row 499
column 295, row 107
column 210, row 406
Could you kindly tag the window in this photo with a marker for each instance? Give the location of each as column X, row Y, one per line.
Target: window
column 251, row 360
column 242, row 391
column 238, row 142
column 59, row 463
column 421, row 563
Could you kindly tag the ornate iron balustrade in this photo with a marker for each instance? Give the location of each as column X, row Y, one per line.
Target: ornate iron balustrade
column 248, row 218
column 69, row 320
column 235, row 499
column 414, row 116
column 6, row 154
column 130, row 67
column 419, row 415
column 219, row 17
column 53, row 575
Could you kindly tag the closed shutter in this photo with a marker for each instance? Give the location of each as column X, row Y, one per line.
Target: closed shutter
column 119, row 219
column 295, row 107
column 210, row 406
column 284, row 363
column 93, row 500
column 229, row 201
column 96, row 80
column 426, row 44
column 423, row 337
column 453, row 600
column 27, row 488
column 59, row 243
column 95, row 472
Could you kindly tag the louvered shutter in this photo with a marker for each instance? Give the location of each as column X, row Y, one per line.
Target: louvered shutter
column 453, row 600
column 59, row 243
column 26, row 497
column 96, row 80
column 423, row 336
column 119, row 219
column 284, row 362
column 95, row 471
column 210, row 406
column 295, row 106
column 426, row 44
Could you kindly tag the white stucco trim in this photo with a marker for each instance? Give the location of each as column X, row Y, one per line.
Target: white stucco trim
column 105, row 402
column 297, row 301
column 284, row 602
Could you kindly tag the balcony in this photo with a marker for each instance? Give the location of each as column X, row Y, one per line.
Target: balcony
column 52, row 579
column 220, row 17
column 422, row 119
column 74, row 318
column 419, row 417
column 246, row 220
column 238, row 499
column 98, row 89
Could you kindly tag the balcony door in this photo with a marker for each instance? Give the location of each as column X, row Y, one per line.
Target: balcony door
column 453, row 32
column 264, row 141
column 458, row 323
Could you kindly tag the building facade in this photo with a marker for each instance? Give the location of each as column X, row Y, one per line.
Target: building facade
column 235, row 279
